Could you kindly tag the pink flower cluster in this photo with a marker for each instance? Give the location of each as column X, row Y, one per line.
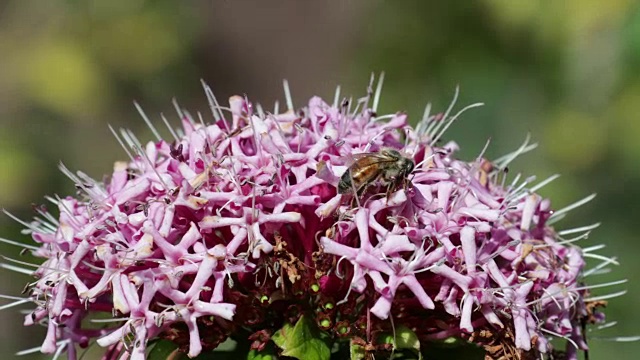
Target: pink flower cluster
column 230, row 225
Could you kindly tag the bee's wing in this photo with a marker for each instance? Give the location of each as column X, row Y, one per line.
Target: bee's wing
column 365, row 159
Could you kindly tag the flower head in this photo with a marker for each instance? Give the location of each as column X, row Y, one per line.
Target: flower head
column 238, row 225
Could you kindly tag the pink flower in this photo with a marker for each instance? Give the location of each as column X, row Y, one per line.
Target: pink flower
column 228, row 226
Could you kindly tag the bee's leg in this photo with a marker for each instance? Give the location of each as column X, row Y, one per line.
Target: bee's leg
column 354, row 201
column 407, row 184
column 362, row 190
column 389, row 191
column 391, row 185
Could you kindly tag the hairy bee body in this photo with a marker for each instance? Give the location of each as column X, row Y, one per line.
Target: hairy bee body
column 388, row 166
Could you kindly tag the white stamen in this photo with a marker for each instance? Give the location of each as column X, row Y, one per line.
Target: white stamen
column 499, row 251
column 596, row 286
column 66, row 209
column 384, row 117
column 515, row 193
column 147, row 121
column 21, row 222
column 605, row 297
column 132, row 139
column 95, row 186
column 188, row 116
column 600, row 257
column 560, row 336
column 370, row 142
column 573, row 206
column 10, row 297
column 578, row 229
column 20, row 262
column 16, row 269
column 546, row 291
column 121, row 143
column 594, row 248
column 453, row 119
column 102, row 321
column 376, row 97
column 597, row 268
column 470, row 174
column 61, row 347
column 600, row 272
column 537, row 187
column 605, row 326
column 93, row 192
column 287, row 95
column 503, row 161
column 515, row 181
column 100, row 269
column 350, row 102
column 617, row 338
column 336, row 97
column 555, row 220
column 42, row 226
column 432, row 123
column 361, row 102
column 52, row 222
column 166, row 123
column 52, row 200
column 256, row 136
column 203, row 130
column 425, row 119
column 260, row 111
column 14, row 304
column 176, row 106
column 127, row 139
column 437, row 124
column 430, row 267
column 16, row 243
column 213, row 102
column 144, row 155
column 37, row 349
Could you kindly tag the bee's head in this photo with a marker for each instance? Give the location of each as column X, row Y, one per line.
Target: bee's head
column 408, row 166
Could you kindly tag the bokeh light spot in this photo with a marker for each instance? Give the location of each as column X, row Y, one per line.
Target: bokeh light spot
column 574, row 139
column 61, row 77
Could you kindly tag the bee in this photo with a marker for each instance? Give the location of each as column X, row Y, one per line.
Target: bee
column 388, row 166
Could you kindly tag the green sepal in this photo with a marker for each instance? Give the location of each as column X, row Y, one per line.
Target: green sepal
column 407, row 339
column 356, row 352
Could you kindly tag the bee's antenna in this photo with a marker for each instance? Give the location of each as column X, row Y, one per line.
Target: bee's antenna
column 423, row 161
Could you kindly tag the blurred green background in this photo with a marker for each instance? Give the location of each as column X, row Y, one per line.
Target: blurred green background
column 567, row 72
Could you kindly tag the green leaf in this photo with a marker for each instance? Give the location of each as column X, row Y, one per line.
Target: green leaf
column 268, row 353
column 261, row 355
column 302, row 341
column 404, row 339
column 162, row 350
